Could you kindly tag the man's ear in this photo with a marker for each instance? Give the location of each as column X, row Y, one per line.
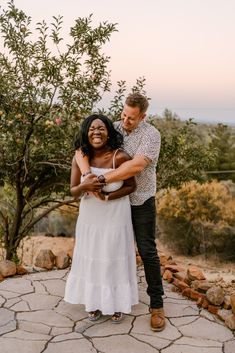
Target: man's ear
column 142, row 117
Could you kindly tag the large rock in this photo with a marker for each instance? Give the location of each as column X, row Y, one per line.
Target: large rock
column 232, row 301
column 7, row 268
column 230, row 322
column 215, row 295
column 186, row 292
column 62, row 260
column 168, row 276
column 227, row 302
column 180, row 284
column 201, row 286
column 182, row 276
column 196, row 295
column 174, row 268
column 164, row 259
column 20, row 270
column 205, row 303
column 213, row 309
column 195, row 273
column 45, row 259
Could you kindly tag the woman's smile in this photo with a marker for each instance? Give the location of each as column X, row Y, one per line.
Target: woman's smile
column 97, row 139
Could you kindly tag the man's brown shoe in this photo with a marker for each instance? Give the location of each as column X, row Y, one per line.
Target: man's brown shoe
column 157, row 319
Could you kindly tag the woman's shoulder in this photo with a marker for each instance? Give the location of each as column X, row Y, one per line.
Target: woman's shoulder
column 121, row 156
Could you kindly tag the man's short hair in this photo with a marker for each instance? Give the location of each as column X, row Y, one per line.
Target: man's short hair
column 137, row 100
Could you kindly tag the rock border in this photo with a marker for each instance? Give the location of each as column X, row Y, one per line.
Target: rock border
column 192, row 283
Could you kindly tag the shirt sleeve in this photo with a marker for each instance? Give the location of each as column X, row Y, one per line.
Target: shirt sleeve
column 150, row 145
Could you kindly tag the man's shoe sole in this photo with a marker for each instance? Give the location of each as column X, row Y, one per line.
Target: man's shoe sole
column 158, row 329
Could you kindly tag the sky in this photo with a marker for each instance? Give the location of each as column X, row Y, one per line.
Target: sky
column 184, row 48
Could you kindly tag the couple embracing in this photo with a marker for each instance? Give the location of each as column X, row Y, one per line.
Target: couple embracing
column 114, row 174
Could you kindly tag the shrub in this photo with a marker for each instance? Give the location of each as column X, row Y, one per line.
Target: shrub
column 60, row 222
column 198, row 219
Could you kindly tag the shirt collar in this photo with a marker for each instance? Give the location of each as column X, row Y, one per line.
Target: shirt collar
column 134, row 131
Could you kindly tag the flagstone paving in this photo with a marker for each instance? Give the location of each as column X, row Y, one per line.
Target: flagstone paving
column 35, row 319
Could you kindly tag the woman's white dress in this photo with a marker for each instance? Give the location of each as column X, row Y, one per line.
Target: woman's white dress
column 103, row 272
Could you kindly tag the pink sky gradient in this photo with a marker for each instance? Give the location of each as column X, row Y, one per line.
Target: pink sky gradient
column 184, row 48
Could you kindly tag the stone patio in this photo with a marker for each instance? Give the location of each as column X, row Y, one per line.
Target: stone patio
column 35, row 319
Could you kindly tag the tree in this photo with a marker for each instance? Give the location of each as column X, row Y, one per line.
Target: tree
column 183, row 157
column 45, row 91
column 116, row 104
column 223, row 142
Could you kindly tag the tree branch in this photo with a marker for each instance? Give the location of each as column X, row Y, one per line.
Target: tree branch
column 43, row 214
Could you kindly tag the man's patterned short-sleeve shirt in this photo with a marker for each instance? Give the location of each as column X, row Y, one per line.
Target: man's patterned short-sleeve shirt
column 144, row 140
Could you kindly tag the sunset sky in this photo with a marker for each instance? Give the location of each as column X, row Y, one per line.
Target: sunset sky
column 184, row 48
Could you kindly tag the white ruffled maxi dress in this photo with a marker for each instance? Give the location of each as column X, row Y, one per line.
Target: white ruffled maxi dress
column 103, row 273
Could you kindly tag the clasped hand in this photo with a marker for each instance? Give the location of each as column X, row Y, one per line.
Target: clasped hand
column 92, row 184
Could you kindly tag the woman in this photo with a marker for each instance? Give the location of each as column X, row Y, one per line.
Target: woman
column 103, row 273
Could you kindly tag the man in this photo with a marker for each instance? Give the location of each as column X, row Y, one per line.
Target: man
column 142, row 142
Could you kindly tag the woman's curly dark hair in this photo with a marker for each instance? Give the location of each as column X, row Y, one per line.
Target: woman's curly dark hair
column 114, row 141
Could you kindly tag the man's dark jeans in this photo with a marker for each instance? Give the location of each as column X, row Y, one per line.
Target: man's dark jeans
column 144, row 223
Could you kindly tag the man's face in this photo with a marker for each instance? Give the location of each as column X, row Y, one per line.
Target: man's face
column 131, row 117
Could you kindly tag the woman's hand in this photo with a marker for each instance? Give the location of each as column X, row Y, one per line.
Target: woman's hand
column 92, row 184
column 99, row 195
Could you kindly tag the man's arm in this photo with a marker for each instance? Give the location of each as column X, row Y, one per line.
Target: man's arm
column 147, row 152
column 128, row 169
column 82, row 162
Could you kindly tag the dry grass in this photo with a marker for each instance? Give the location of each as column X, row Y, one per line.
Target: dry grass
column 30, row 247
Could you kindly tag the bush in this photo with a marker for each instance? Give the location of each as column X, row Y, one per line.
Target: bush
column 198, row 219
column 60, row 222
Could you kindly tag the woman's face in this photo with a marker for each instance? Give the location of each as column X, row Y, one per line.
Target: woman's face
column 97, row 134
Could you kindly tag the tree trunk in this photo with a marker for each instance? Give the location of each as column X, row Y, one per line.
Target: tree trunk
column 11, row 253
column 11, row 244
